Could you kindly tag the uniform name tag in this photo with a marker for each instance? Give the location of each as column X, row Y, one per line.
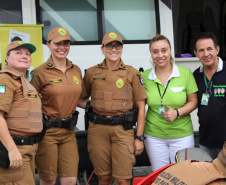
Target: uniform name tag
column 99, row 79
column 2, row 88
column 32, row 95
column 56, row 80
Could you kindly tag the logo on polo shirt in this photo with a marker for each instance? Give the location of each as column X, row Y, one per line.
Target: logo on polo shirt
column 112, row 35
column 2, row 89
column 62, row 31
column 119, row 83
column 219, row 90
column 75, row 79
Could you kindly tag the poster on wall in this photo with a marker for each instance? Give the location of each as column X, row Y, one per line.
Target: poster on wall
column 25, row 33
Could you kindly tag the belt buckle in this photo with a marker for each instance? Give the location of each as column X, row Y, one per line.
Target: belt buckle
column 109, row 116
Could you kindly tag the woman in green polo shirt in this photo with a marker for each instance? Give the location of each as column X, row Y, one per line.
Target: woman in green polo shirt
column 172, row 96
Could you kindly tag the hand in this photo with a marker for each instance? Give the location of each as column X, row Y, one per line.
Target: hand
column 170, row 115
column 15, row 158
column 138, row 146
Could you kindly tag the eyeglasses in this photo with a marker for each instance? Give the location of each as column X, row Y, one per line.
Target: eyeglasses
column 117, row 46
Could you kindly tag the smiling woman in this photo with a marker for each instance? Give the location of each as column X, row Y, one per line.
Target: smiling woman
column 171, row 91
column 60, row 84
column 20, row 117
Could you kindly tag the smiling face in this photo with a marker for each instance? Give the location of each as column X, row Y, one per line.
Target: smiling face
column 160, row 53
column 19, row 59
column 206, row 52
column 112, row 55
column 59, row 50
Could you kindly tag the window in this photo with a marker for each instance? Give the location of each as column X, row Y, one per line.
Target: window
column 10, row 12
column 191, row 17
column 88, row 20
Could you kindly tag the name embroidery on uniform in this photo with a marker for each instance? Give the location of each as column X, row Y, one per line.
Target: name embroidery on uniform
column 2, row 89
column 99, row 79
column 119, row 83
column 219, row 90
column 32, row 95
column 55, row 80
column 140, row 78
column 75, row 79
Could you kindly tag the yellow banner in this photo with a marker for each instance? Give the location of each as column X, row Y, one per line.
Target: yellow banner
column 27, row 33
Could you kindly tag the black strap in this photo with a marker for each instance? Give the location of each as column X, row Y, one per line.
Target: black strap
column 68, row 123
column 161, row 96
column 107, row 120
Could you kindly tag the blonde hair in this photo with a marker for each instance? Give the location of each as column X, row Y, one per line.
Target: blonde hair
column 158, row 38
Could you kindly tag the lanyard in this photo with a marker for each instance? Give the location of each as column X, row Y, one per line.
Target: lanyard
column 207, row 84
column 161, row 96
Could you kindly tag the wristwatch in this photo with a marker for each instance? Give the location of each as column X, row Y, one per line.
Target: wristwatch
column 141, row 137
column 178, row 115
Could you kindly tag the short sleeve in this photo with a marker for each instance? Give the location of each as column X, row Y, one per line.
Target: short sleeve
column 138, row 86
column 7, row 88
column 191, row 83
column 36, row 81
column 87, row 81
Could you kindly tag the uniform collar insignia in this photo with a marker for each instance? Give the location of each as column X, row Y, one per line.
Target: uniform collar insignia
column 50, row 65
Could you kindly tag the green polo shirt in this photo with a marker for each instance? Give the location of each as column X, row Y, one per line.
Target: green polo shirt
column 181, row 84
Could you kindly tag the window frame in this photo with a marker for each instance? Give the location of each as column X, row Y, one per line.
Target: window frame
column 100, row 9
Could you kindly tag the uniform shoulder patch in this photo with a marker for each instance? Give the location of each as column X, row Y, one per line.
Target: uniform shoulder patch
column 140, row 77
column 2, row 89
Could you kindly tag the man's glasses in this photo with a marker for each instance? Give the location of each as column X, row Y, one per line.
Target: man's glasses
column 117, row 46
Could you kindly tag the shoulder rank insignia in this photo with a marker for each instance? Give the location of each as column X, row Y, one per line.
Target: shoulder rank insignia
column 55, row 80
column 49, row 65
column 32, row 95
column 140, row 78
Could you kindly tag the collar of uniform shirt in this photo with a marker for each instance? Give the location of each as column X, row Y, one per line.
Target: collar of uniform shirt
column 175, row 73
column 219, row 67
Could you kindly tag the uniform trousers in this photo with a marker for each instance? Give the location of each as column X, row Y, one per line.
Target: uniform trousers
column 111, row 150
column 162, row 151
column 57, row 153
column 25, row 174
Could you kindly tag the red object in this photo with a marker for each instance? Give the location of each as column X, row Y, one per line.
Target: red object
column 150, row 178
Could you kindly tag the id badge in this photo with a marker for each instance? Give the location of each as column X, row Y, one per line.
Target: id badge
column 205, row 99
column 161, row 110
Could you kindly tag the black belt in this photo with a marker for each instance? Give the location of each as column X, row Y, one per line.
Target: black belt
column 69, row 122
column 107, row 120
column 29, row 140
